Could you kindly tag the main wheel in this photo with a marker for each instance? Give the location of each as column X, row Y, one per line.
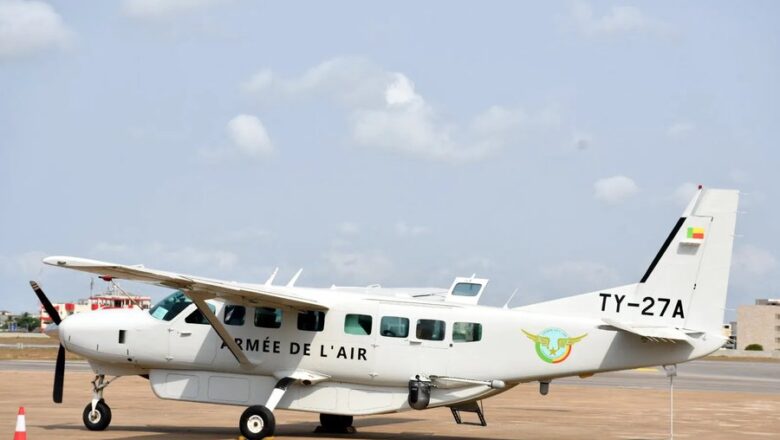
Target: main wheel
column 99, row 419
column 336, row 424
column 257, row 422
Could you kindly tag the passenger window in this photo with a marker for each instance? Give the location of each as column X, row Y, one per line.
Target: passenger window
column 311, row 321
column 268, row 317
column 197, row 317
column 466, row 289
column 466, row 332
column 234, row 315
column 394, row 327
column 430, row 329
column 357, row 324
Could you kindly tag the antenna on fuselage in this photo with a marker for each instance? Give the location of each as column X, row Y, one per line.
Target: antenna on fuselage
column 271, row 278
column 511, row 297
column 292, row 281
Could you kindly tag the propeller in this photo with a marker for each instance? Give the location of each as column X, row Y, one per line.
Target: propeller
column 59, row 369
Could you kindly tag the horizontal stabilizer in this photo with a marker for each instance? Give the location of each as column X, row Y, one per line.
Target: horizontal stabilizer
column 655, row 333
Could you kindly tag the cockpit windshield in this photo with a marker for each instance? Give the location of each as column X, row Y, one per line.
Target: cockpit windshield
column 171, row 306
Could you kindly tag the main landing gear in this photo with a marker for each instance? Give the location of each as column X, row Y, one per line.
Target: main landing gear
column 258, row 422
column 97, row 414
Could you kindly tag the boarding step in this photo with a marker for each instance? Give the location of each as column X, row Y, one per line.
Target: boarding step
column 472, row 407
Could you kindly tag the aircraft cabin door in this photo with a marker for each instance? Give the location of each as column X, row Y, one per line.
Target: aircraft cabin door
column 191, row 339
column 422, row 346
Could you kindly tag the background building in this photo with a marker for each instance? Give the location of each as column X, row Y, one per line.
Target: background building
column 759, row 324
column 111, row 299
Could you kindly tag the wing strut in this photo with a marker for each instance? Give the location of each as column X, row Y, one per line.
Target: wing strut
column 220, row 329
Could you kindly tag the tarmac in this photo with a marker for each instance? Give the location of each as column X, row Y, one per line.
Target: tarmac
column 712, row 399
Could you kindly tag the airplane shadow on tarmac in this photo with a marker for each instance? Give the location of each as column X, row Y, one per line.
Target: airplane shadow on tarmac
column 302, row 429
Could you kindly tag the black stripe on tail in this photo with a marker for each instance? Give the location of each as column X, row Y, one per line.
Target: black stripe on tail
column 663, row 249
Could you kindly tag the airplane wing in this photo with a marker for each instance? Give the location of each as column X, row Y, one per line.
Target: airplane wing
column 656, row 333
column 202, row 287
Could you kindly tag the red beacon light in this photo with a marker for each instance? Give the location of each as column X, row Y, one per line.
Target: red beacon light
column 106, row 278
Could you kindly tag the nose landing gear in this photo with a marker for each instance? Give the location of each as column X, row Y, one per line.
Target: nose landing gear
column 97, row 414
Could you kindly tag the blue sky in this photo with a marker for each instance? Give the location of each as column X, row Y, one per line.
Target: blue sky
column 549, row 147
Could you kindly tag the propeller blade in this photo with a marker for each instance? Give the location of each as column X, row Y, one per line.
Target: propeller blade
column 55, row 317
column 59, row 375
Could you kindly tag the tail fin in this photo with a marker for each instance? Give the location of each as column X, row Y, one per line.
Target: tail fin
column 693, row 263
column 685, row 285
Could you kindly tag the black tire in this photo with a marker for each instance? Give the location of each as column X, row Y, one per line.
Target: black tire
column 257, row 422
column 336, row 423
column 100, row 419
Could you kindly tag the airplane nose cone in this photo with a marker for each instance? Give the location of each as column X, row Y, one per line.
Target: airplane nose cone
column 52, row 330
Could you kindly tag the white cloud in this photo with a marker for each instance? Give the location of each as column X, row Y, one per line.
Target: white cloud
column 619, row 20
column 403, row 230
column 360, row 267
column 161, row 9
column 753, row 260
column 614, row 190
column 248, row 138
column 680, row 129
column 27, row 27
column 384, row 111
column 580, row 276
column 684, row 193
column 248, row 134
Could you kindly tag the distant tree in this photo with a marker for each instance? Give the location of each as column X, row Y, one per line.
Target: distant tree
column 755, row 347
column 28, row 322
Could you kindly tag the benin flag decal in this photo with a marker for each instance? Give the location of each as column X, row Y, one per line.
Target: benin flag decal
column 697, row 233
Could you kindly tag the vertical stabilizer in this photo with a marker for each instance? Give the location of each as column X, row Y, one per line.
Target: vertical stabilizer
column 685, row 285
column 693, row 263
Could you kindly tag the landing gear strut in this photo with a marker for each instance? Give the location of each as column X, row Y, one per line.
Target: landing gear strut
column 258, row 422
column 97, row 414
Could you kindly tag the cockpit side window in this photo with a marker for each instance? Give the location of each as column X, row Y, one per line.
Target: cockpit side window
column 196, row 317
column 171, row 306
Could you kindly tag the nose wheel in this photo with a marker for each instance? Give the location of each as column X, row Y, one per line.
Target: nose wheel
column 97, row 419
column 97, row 414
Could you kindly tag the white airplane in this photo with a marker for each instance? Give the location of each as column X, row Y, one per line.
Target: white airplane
column 354, row 351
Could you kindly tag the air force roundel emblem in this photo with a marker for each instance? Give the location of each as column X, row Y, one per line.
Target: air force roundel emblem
column 553, row 345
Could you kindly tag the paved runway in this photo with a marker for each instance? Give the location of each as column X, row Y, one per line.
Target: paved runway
column 619, row 406
column 750, row 377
